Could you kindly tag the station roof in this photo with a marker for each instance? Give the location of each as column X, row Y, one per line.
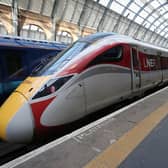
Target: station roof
column 152, row 14
column 147, row 14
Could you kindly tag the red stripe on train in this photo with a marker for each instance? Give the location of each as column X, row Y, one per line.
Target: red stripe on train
column 38, row 108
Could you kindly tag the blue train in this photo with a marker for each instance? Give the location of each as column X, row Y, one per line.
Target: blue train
column 18, row 57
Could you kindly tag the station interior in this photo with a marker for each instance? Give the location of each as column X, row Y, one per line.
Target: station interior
column 35, row 38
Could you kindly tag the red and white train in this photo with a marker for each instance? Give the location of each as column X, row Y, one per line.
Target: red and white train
column 94, row 72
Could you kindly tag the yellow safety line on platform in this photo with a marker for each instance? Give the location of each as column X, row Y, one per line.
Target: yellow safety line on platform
column 117, row 152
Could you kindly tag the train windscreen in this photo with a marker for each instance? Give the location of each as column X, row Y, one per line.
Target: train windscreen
column 60, row 60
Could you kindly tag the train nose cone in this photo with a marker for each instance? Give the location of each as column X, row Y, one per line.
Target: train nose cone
column 16, row 120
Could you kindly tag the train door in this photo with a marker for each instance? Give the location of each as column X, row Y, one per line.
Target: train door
column 106, row 79
column 136, row 70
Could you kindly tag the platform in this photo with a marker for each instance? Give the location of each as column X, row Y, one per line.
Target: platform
column 134, row 136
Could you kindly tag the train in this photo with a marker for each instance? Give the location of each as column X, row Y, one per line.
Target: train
column 94, row 72
column 19, row 57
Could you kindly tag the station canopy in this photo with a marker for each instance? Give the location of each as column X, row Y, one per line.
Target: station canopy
column 151, row 14
column 145, row 20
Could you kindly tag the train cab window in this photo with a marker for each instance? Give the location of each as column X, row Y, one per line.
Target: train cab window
column 52, row 87
column 111, row 55
column 61, row 60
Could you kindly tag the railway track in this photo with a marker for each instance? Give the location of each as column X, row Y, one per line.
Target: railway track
column 9, row 151
column 6, row 148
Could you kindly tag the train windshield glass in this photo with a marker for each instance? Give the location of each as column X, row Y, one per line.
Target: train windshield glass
column 60, row 60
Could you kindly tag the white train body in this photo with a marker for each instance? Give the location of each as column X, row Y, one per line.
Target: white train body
column 94, row 72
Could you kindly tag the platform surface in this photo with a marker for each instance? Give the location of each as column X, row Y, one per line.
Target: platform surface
column 153, row 151
column 134, row 136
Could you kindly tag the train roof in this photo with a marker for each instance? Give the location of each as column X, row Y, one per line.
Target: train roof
column 29, row 43
column 113, row 37
column 137, row 42
column 97, row 36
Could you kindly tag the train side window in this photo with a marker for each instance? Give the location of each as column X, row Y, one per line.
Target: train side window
column 111, row 55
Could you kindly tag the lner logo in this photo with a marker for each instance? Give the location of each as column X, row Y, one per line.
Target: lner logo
column 149, row 62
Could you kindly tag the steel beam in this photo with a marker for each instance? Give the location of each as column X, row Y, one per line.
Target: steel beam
column 164, row 42
column 98, row 11
column 101, row 23
column 161, row 41
column 165, row 33
column 42, row 7
column 157, row 27
column 90, row 13
column 15, row 23
column 29, row 5
column 83, row 14
column 160, row 32
column 53, row 18
column 151, row 14
column 136, row 33
column 64, row 9
column 74, row 11
column 115, row 29
column 136, row 15
column 155, row 21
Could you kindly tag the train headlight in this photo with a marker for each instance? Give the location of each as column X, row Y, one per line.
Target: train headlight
column 52, row 86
